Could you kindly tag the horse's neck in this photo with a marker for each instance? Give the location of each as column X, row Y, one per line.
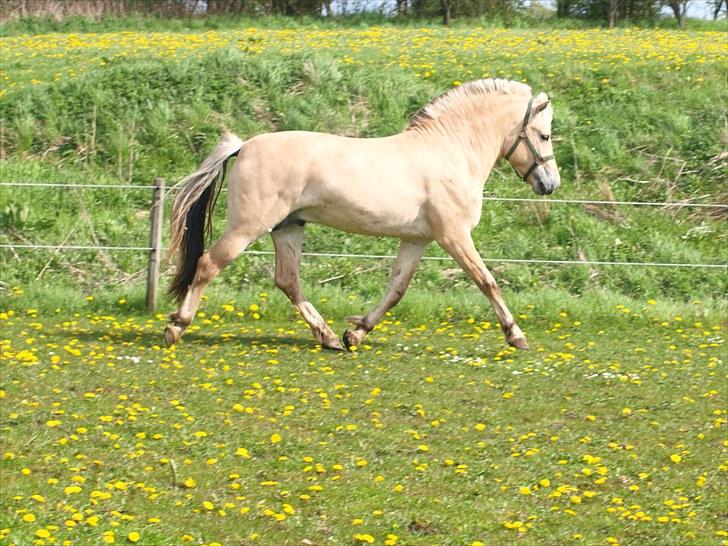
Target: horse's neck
column 477, row 143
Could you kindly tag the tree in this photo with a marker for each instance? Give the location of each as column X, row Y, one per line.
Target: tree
column 679, row 9
column 446, row 10
column 564, row 8
column 717, row 7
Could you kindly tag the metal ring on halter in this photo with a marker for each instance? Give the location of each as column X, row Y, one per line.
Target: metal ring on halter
column 538, row 159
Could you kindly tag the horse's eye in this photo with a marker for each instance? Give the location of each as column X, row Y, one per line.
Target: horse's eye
column 545, row 138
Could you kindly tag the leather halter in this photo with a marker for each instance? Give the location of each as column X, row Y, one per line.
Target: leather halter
column 538, row 159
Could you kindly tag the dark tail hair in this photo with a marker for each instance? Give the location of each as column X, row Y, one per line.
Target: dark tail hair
column 191, row 217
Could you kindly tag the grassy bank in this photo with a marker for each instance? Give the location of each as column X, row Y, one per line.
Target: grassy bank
column 635, row 120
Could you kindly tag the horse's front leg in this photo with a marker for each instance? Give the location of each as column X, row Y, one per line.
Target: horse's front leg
column 461, row 247
column 404, row 267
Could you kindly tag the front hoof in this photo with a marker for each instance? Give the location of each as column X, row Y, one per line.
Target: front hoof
column 172, row 334
column 351, row 339
column 519, row 343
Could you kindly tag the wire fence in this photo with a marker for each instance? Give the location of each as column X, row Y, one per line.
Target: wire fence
column 392, row 257
column 663, row 204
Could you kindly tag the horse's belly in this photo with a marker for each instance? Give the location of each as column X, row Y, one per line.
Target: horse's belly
column 404, row 224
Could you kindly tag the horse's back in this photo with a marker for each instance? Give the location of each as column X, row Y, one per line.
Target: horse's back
column 356, row 184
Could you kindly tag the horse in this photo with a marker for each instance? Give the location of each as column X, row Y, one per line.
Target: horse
column 421, row 185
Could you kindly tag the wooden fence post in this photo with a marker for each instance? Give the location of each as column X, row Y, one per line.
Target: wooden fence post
column 155, row 243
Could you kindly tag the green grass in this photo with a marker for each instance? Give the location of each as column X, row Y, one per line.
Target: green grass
column 433, row 430
column 612, row 423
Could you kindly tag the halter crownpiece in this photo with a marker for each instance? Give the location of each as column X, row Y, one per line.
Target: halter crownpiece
column 538, row 159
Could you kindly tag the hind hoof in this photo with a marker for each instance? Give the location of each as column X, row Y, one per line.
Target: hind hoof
column 172, row 334
column 519, row 343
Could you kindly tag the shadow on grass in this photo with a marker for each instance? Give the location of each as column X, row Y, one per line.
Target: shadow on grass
column 150, row 339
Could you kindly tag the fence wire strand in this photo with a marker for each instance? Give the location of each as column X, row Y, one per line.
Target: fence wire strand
column 392, row 257
column 666, row 204
column 386, row 256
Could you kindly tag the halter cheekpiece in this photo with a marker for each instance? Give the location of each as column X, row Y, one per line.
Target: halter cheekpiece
column 538, row 159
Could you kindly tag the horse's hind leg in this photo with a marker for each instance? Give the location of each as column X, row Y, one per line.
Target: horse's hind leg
column 209, row 265
column 404, row 267
column 288, row 241
column 462, row 248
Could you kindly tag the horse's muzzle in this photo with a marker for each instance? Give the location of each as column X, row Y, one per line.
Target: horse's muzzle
column 543, row 189
column 544, row 183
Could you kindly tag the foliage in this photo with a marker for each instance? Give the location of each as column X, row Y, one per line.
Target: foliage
column 35, row 15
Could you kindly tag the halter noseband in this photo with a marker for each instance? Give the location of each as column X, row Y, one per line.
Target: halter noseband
column 538, row 159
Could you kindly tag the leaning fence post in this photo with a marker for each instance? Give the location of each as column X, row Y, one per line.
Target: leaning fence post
column 155, row 243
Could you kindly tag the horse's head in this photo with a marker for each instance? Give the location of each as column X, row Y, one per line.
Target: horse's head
column 531, row 150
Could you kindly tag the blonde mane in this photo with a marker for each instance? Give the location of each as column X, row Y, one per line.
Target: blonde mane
column 460, row 100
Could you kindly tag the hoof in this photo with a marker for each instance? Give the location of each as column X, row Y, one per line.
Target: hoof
column 351, row 339
column 519, row 343
column 172, row 334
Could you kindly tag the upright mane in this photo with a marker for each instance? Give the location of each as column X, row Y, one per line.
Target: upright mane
column 460, row 99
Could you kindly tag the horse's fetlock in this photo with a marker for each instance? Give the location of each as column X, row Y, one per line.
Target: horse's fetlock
column 179, row 320
column 361, row 323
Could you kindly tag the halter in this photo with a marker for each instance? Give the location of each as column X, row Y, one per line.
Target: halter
column 538, row 159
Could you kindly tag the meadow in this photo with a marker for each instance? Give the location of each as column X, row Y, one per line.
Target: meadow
column 610, row 431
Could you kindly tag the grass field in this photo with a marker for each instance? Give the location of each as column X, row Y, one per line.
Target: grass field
column 610, row 431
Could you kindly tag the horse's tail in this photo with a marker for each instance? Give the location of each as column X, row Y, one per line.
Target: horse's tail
column 192, row 208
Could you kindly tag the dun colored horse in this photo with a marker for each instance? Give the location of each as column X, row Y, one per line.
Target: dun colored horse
column 424, row 184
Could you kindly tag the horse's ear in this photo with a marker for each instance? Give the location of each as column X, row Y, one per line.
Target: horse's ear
column 541, row 102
